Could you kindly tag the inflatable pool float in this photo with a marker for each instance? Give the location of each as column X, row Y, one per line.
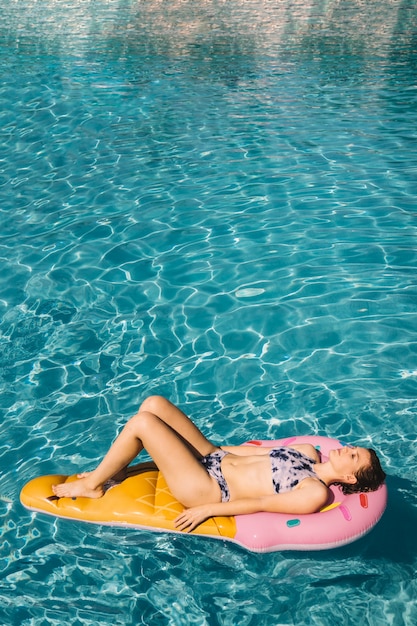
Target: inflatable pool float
column 143, row 501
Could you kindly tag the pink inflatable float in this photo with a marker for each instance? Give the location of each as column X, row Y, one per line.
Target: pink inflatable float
column 344, row 519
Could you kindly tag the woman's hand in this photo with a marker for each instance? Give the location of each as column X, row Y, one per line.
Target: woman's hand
column 190, row 518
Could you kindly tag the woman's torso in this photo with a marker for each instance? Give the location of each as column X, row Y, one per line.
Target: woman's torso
column 252, row 475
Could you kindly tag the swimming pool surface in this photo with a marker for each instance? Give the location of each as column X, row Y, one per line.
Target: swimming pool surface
column 214, row 201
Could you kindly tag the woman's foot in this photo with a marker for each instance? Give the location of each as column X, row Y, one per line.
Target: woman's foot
column 77, row 488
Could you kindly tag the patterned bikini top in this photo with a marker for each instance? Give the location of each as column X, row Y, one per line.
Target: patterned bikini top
column 290, row 467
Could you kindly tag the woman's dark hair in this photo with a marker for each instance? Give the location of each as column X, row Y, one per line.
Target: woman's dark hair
column 368, row 478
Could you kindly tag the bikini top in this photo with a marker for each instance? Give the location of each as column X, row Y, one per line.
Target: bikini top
column 290, row 467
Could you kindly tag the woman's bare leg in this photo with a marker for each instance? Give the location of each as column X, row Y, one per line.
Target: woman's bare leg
column 171, row 439
column 90, row 485
column 127, row 472
column 178, row 421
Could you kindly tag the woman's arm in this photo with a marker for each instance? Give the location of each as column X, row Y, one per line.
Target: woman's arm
column 252, row 450
column 309, row 497
column 246, row 450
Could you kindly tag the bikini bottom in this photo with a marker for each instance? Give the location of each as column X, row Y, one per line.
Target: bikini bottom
column 212, row 463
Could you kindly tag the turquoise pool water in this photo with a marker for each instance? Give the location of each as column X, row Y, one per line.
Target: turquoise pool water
column 215, row 201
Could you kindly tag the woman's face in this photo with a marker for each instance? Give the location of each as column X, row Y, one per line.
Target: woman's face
column 348, row 460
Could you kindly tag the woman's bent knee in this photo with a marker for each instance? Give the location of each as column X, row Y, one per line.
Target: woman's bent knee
column 141, row 422
column 152, row 404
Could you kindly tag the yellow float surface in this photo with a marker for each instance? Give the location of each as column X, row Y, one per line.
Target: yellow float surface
column 141, row 501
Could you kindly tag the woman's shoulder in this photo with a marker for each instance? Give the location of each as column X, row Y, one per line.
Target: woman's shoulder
column 308, row 449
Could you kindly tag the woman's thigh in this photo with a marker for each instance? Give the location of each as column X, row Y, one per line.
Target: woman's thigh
column 187, row 479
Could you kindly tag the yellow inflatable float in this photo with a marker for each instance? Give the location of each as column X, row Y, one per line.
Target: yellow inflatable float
column 141, row 501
